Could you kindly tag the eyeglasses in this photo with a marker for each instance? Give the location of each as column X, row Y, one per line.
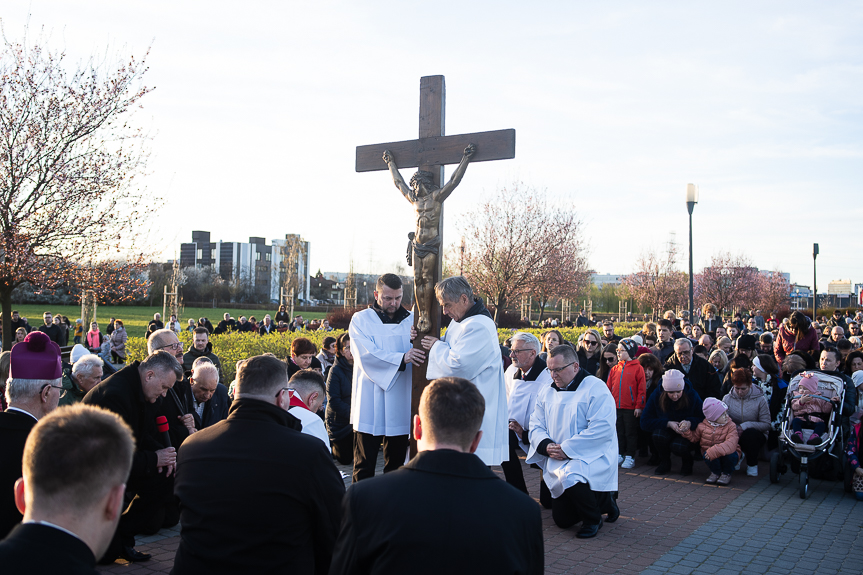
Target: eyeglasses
column 178, row 345
column 60, row 387
column 684, row 353
column 520, row 350
column 610, row 359
column 288, row 389
column 559, row 369
column 590, row 342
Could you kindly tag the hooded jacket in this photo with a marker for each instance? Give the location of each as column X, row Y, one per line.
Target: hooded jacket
column 627, row 385
column 750, row 412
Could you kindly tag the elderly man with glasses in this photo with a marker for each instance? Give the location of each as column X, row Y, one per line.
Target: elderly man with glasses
column 523, row 379
column 699, row 372
column 34, row 389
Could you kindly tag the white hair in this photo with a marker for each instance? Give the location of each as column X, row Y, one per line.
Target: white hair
column 529, row 339
column 87, row 364
column 22, row 390
column 204, row 368
column 683, row 340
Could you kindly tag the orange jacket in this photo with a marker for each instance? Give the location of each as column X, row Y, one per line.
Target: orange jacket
column 715, row 441
column 627, row 385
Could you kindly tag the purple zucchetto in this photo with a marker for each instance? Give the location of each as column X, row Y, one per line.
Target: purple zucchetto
column 37, row 357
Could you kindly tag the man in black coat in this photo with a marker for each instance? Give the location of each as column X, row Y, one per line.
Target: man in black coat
column 131, row 393
column 51, row 329
column 201, row 347
column 68, row 524
column 209, row 398
column 257, row 495
column 445, row 500
column 699, row 372
column 31, row 364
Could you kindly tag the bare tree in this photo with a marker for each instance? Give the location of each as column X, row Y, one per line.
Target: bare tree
column 729, row 281
column 775, row 291
column 69, row 159
column 511, row 240
column 657, row 284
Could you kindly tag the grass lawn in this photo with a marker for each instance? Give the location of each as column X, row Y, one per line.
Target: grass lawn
column 136, row 318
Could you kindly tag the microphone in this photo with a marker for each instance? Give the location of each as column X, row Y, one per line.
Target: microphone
column 162, row 425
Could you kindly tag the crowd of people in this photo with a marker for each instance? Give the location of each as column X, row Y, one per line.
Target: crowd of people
column 181, row 437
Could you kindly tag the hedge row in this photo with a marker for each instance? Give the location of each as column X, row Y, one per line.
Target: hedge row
column 234, row 347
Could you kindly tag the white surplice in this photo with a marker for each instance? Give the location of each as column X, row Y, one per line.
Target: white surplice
column 584, row 423
column 380, row 393
column 521, row 396
column 312, row 424
column 470, row 350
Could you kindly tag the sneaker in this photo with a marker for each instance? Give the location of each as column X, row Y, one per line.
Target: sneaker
column 814, row 439
column 737, row 467
column 628, row 463
column 620, row 459
column 724, row 479
column 797, row 437
column 712, row 479
column 752, row 470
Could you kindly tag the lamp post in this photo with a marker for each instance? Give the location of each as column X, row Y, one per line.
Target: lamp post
column 691, row 200
column 814, row 284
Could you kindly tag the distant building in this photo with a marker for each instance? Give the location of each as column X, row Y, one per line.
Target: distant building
column 263, row 266
column 840, row 288
column 601, row 279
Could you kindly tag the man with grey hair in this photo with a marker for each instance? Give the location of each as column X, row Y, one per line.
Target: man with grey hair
column 698, row 371
column 470, row 350
column 524, row 378
column 33, row 391
column 76, row 461
column 210, row 400
column 131, row 393
column 177, row 407
column 86, row 373
column 257, row 495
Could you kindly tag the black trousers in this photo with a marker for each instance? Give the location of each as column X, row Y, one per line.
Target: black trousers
column 751, row 441
column 366, row 448
column 151, row 506
column 580, row 503
column 512, row 468
column 627, row 432
column 343, row 449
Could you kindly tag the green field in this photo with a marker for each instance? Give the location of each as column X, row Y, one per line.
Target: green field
column 136, row 318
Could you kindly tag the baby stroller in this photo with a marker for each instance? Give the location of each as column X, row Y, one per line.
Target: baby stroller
column 832, row 440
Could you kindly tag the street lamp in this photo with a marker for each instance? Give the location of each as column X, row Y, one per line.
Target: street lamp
column 691, row 200
column 814, row 284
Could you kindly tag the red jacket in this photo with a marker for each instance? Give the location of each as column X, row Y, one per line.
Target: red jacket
column 786, row 342
column 627, row 385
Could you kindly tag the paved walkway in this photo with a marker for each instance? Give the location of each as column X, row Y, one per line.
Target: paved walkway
column 674, row 524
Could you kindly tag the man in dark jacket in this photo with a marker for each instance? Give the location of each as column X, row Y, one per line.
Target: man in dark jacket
column 704, row 379
column 51, row 329
column 467, row 515
column 68, row 524
column 275, row 507
column 209, row 400
column 18, row 321
column 202, row 347
column 130, row 394
column 32, row 363
column 664, row 348
column 227, row 324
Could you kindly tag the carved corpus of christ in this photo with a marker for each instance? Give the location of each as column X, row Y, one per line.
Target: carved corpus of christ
column 425, row 242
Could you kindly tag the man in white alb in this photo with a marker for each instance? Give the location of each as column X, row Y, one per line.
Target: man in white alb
column 470, row 349
column 381, row 385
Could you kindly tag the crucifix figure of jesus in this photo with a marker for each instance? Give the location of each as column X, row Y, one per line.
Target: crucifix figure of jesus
column 425, row 243
column 430, row 153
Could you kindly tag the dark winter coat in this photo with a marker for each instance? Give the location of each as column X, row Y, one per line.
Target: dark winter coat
column 339, row 400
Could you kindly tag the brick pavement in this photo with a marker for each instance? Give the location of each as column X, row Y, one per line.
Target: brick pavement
column 672, row 524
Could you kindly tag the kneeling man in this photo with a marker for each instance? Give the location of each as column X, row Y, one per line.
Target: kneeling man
column 573, row 440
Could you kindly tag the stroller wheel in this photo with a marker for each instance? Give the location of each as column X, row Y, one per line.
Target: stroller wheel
column 804, row 484
column 775, row 465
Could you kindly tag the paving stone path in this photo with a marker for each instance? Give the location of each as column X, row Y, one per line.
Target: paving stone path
column 674, row 524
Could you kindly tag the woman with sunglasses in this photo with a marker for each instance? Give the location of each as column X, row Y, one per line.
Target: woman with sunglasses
column 590, row 351
column 608, row 360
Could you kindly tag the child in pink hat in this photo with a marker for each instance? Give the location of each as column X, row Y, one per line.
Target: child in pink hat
column 717, row 436
column 806, row 406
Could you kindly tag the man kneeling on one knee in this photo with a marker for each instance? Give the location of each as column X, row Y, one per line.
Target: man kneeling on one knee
column 574, row 441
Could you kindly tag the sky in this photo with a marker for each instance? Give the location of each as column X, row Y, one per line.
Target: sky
column 258, row 108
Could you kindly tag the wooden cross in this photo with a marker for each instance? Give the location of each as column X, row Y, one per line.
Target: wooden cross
column 430, row 153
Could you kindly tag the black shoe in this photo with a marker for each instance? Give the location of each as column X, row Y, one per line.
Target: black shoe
column 654, row 459
column 129, row 554
column 663, row 468
column 686, row 468
column 614, row 513
column 588, row 531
